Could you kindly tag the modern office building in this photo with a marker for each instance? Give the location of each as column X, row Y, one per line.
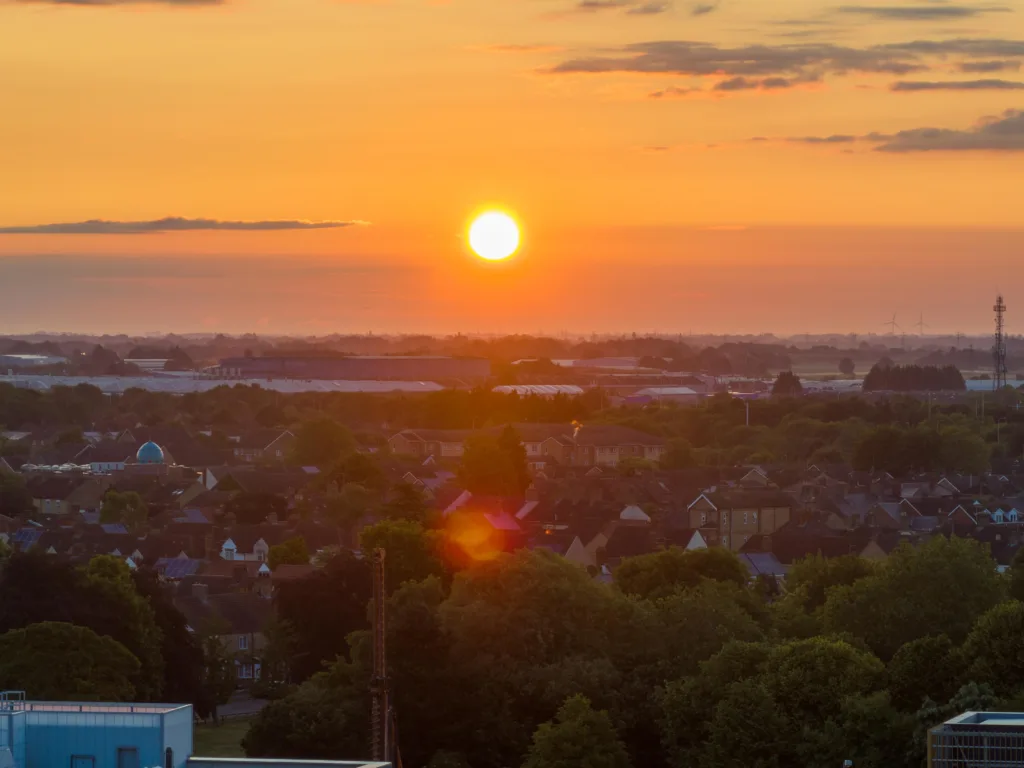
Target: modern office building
column 42, row 734
column 45, row 734
column 978, row 740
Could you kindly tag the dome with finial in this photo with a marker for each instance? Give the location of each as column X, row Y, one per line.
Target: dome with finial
column 150, row 453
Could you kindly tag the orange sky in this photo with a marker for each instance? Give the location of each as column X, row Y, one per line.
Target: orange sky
column 410, row 115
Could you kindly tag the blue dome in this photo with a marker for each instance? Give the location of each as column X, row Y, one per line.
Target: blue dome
column 150, row 453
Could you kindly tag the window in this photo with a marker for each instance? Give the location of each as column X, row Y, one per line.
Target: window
column 245, row 672
column 744, row 518
column 755, row 515
column 127, row 757
column 725, row 518
column 703, row 518
column 243, row 642
column 83, row 761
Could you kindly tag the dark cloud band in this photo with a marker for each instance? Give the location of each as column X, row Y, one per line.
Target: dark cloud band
column 100, row 227
column 1004, row 133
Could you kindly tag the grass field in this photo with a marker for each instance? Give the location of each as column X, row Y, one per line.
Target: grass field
column 224, row 740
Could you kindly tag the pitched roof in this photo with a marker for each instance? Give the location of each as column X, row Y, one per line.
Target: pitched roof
column 614, row 435
column 289, row 572
column 740, row 499
column 245, row 612
column 629, row 541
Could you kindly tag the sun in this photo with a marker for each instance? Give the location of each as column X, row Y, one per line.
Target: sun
column 494, row 236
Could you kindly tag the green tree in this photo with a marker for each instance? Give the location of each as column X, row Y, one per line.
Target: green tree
column 108, row 602
column 678, row 455
column 812, row 576
column 321, row 443
column 963, row 450
column 348, row 506
column 1016, row 587
column 360, row 469
column 488, row 469
column 660, row 574
column 511, row 444
column 290, row 552
column 412, row 553
column 748, row 728
column 406, row 502
column 702, row 620
column 15, row 498
column 939, row 588
column 64, row 662
column 926, row 668
column 685, row 705
column 995, row 647
column 847, row 367
column 179, row 647
column 579, row 737
column 805, row 675
column 787, row 385
column 127, row 508
column 218, row 680
column 320, row 636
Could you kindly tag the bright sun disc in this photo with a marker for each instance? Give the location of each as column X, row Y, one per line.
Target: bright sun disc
column 494, row 236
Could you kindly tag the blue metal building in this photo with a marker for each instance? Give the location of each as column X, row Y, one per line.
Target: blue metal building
column 63, row 734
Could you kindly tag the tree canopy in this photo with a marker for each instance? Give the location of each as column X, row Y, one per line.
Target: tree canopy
column 59, row 661
column 579, row 737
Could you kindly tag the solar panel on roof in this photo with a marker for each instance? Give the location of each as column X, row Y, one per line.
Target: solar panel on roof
column 177, row 568
column 113, row 528
column 25, row 538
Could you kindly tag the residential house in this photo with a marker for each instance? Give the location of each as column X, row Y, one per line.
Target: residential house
column 240, row 619
column 729, row 518
column 265, row 445
column 66, row 495
column 604, row 445
column 892, row 515
column 439, row 443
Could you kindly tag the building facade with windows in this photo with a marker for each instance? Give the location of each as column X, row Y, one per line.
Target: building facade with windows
column 41, row 734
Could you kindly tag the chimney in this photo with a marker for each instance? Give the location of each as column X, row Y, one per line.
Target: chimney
column 201, row 591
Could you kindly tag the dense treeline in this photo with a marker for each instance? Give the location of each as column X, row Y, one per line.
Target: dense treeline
column 918, row 435
column 914, row 378
column 100, row 632
column 679, row 663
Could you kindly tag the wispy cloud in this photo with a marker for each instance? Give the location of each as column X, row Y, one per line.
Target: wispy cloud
column 914, row 86
column 694, row 58
column 1003, row 133
column 932, row 11
column 101, row 227
column 703, row 9
column 998, row 134
column 649, row 9
column 747, row 84
column 774, row 64
column 673, row 92
column 630, row 7
column 982, row 67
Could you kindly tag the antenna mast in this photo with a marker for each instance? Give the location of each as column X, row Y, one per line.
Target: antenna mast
column 999, row 349
column 380, row 705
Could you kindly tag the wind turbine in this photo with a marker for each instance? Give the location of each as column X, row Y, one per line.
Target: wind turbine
column 921, row 325
column 893, row 325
